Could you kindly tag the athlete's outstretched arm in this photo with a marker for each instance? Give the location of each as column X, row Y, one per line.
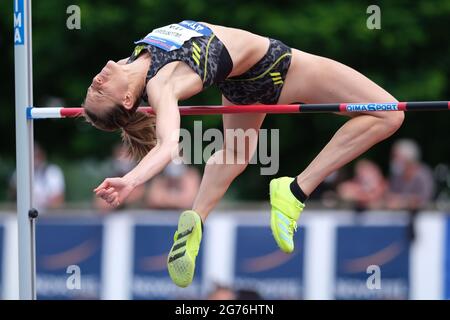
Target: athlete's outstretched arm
column 165, row 104
column 164, row 92
column 116, row 190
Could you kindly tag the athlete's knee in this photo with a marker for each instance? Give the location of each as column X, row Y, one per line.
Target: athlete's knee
column 388, row 122
column 394, row 121
column 235, row 162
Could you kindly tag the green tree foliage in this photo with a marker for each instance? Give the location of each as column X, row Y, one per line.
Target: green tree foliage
column 409, row 56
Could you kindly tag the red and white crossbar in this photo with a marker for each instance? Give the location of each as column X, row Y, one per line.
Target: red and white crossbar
column 48, row 113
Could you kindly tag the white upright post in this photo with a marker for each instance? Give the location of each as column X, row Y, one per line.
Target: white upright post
column 23, row 70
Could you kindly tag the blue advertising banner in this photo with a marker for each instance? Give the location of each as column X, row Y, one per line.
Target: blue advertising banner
column 68, row 259
column 150, row 277
column 262, row 267
column 2, row 250
column 447, row 261
column 372, row 262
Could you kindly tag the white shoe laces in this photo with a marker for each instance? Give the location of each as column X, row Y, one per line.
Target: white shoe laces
column 293, row 227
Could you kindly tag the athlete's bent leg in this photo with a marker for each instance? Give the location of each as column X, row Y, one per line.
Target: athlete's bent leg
column 222, row 168
column 218, row 173
column 330, row 81
column 313, row 79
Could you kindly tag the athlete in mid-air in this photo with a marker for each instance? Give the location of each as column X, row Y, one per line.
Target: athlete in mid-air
column 178, row 61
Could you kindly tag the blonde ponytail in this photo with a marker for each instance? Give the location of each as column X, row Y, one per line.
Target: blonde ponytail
column 138, row 128
column 139, row 134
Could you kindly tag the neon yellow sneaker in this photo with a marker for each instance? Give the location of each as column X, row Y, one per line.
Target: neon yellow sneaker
column 181, row 258
column 285, row 212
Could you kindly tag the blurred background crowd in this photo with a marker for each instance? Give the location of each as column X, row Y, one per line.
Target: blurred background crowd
column 409, row 184
column 174, row 188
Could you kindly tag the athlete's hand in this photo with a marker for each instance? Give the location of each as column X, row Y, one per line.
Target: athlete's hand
column 114, row 191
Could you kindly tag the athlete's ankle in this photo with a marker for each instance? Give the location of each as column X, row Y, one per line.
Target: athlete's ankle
column 201, row 214
column 297, row 191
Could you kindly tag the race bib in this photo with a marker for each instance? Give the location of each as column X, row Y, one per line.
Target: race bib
column 173, row 36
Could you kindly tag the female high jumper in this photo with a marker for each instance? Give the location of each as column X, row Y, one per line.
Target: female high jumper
column 178, row 61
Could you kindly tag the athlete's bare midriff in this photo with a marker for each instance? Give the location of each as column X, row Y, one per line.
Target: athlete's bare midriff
column 245, row 48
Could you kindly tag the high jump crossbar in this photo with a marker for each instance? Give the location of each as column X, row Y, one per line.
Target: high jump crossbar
column 61, row 112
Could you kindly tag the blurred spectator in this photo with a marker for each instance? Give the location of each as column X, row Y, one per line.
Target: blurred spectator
column 221, row 292
column 326, row 192
column 442, row 178
column 175, row 188
column 121, row 164
column 366, row 189
column 411, row 184
column 48, row 183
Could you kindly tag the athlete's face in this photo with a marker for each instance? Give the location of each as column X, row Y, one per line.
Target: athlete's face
column 108, row 88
